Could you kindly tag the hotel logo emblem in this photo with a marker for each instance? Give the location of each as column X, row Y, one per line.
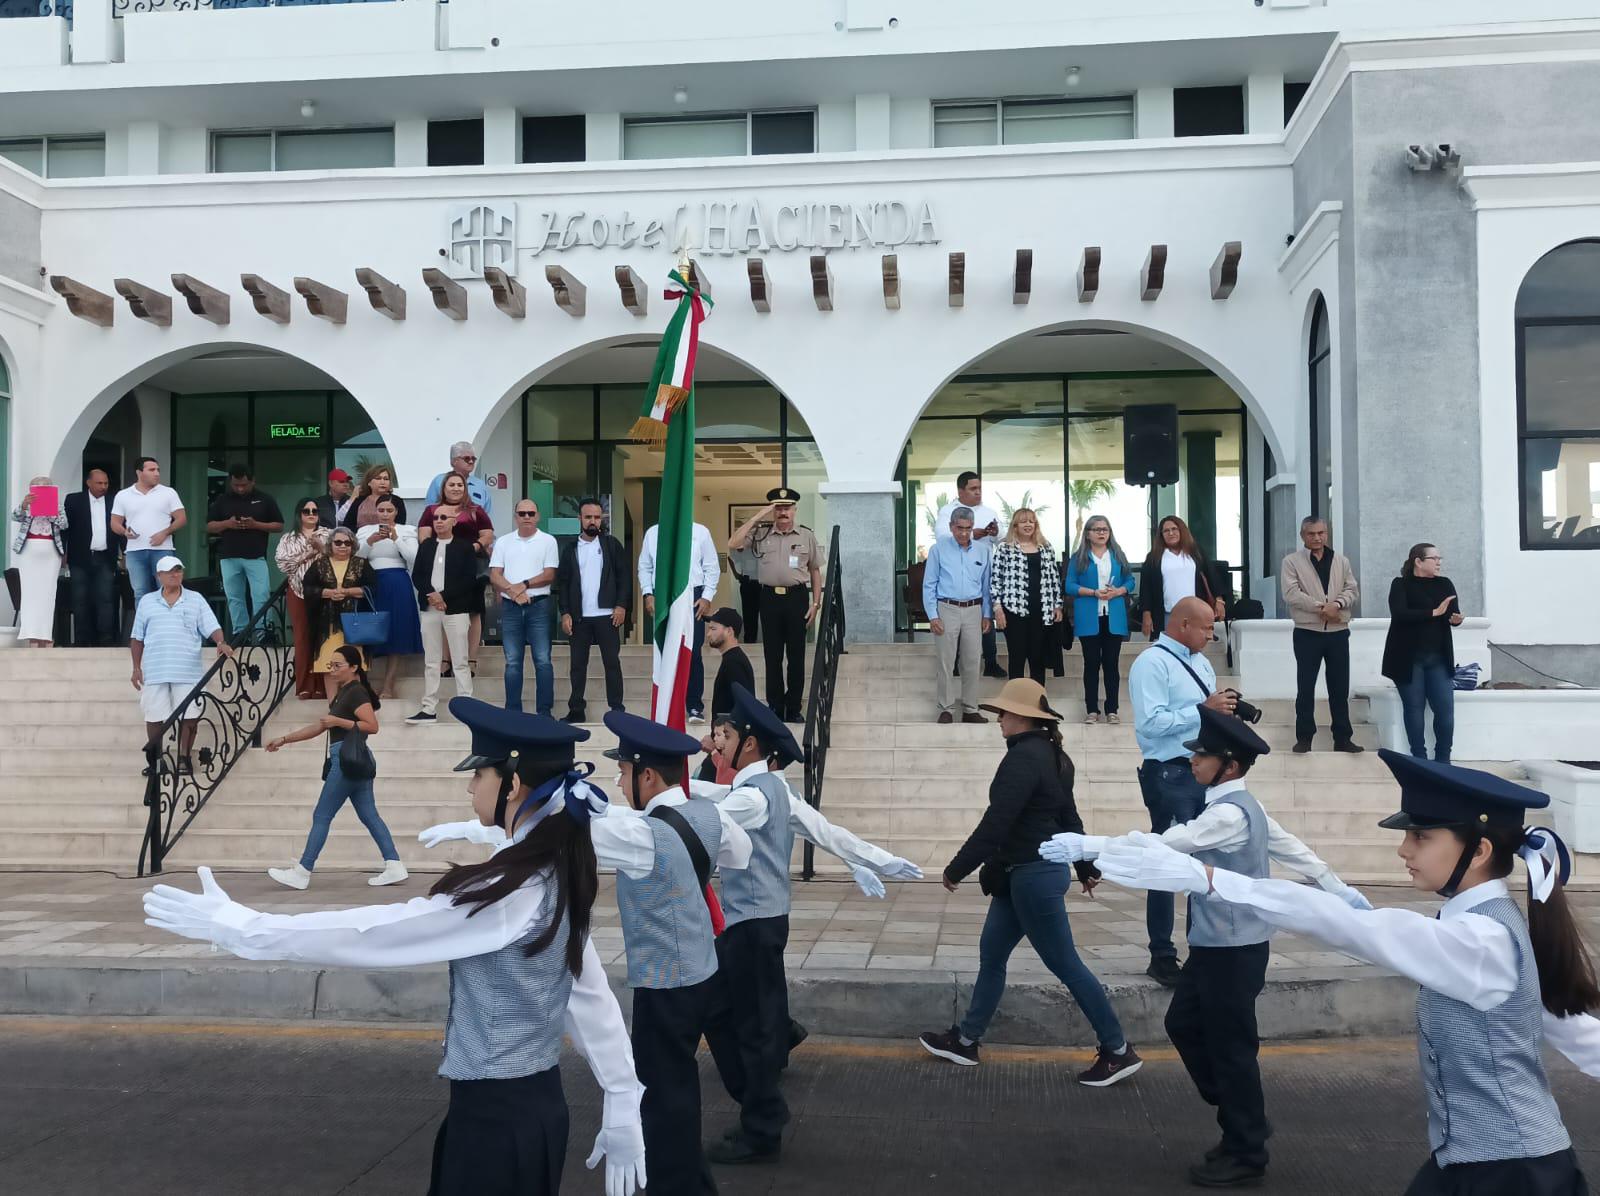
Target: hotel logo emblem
column 479, row 237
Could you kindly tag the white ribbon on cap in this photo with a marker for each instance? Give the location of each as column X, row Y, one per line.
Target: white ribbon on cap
column 1547, row 860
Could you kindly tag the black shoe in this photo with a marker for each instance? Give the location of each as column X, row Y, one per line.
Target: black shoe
column 1110, row 1068
column 1302, row 746
column 1347, row 745
column 794, row 716
column 797, row 1034
column 185, row 767
column 421, row 718
column 1215, row 1153
column 576, row 716
column 1226, row 1172
column 994, row 670
column 738, row 1149
column 1164, row 971
column 948, row 1045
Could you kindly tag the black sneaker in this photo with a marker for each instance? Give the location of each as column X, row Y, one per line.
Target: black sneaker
column 1302, row 746
column 1226, row 1172
column 737, row 1149
column 797, row 1034
column 994, row 670
column 421, row 718
column 575, row 716
column 1164, row 971
column 1348, row 745
column 1110, row 1068
column 948, row 1045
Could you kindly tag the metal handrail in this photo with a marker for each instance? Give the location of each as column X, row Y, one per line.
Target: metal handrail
column 229, row 716
column 824, row 681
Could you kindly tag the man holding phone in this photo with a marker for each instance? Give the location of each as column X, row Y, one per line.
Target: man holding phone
column 147, row 514
column 241, row 518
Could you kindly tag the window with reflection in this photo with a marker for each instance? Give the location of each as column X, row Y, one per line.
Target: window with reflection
column 1558, row 398
column 1319, row 382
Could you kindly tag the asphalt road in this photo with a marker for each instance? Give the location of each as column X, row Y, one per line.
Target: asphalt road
column 130, row 1108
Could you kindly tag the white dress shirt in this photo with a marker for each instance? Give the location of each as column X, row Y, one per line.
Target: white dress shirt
column 591, row 564
column 1102, row 567
column 1177, row 578
column 747, row 806
column 623, row 840
column 97, row 522
column 522, row 557
column 982, row 517
column 399, row 553
column 705, row 571
column 1465, row 956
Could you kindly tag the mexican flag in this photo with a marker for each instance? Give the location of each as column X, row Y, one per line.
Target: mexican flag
column 669, row 415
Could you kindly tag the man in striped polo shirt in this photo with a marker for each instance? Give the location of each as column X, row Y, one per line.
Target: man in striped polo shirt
column 168, row 628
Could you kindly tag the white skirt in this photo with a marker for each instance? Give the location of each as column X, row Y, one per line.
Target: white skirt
column 40, row 567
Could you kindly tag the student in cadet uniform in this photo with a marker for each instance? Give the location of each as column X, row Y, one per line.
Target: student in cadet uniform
column 1212, row 1017
column 1493, row 985
column 523, row 969
column 750, row 1032
column 789, row 568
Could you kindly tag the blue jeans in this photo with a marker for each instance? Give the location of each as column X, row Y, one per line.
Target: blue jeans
column 142, row 570
column 1035, row 907
column 1172, row 796
column 528, row 626
column 1432, row 682
column 335, row 792
column 237, row 574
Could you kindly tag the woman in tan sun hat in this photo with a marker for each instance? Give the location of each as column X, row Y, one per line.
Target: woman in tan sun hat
column 1030, row 799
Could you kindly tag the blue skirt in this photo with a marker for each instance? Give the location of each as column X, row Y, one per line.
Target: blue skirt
column 398, row 596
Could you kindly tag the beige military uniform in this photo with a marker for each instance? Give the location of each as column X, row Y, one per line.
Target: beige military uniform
column 785, row 559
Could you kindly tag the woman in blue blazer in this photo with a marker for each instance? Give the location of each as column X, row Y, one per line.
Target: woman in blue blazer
column 1098, row 583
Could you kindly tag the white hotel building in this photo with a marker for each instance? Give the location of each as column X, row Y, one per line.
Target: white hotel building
column 940, row 236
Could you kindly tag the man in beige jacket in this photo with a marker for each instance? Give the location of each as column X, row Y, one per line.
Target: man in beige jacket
column 1319, row 589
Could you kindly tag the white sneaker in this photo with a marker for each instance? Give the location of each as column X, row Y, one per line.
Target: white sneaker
column 1091, row 719
column 697, row 720
column 293, row 877
column 393, row 873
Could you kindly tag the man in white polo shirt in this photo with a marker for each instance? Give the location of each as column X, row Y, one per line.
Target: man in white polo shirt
column 148, row 514
column 168, row 628
column 521, row 569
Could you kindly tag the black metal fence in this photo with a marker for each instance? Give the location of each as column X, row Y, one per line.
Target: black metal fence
column 824, row 680
column 211, row 728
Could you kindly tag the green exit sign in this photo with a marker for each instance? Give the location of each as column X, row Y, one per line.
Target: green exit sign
column 294, row 431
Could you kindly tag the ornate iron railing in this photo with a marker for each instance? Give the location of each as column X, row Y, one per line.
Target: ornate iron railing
column 122, row 7
column 228, row 708
column 36, row 8
column 824, row 680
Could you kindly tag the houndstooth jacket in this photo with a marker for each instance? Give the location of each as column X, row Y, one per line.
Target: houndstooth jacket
column 1009, row 584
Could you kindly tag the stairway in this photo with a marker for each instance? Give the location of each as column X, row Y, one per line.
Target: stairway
column 70, row 737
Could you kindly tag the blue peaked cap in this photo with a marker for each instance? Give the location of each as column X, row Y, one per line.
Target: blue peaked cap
column 756, row 718
column 501, row 736
column 1437, row 794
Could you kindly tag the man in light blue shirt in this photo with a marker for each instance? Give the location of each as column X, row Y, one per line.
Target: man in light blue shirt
column 1167, row 685
column 169, row 626
column 463, row 460
column 955, row 593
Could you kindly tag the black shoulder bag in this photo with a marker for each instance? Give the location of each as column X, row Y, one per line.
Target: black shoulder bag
column 1205, row 689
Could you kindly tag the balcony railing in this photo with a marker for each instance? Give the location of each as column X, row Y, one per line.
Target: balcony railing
column 122, row 7
column 35, row 8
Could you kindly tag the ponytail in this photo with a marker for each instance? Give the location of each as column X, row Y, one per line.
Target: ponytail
column 352, row 657
column 1064, row 766
column 1567, row 984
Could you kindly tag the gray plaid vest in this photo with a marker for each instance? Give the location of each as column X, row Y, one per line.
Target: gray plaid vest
column 1214, row 922
column 762, row 889
column 666, row 927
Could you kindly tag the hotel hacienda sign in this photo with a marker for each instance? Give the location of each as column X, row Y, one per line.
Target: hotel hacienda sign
column 497, row 234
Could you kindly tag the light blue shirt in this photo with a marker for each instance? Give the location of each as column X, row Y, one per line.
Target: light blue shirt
column 1166, row 701
column 171, row 636
column 956, row 574
column 477, row 490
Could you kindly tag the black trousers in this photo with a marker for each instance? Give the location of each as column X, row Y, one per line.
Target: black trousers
column 748, row 1028
column 750, row 608
column 783, row 636
column 1550, row 1175
column 94, row 601
column 502, row 1138
column 600, row 632
column 991, row 649
column 1212, row 1023
column 1314, row 650
column 1101, row 654
column 667, row 1024
column 1027, row 637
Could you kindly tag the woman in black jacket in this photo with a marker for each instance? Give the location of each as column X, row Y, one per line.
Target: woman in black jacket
column 1419, row 653
column 1030, row 799
column 445, row 576
column 1177, row 568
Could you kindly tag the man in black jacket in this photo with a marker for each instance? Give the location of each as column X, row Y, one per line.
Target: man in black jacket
column 594, row 589
column 92, row 551
column 445, row 575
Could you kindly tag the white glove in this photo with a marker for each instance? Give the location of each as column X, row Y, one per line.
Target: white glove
column 472, row 831
column 621, row 1143
column 191, row 915
column 1145, row 862
column 1351, row 897
column 1072, row 848
column 899, row 869
column 870, row 882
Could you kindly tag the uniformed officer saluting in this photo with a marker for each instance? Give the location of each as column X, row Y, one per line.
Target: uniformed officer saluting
column 789, row 568
column 663, row 848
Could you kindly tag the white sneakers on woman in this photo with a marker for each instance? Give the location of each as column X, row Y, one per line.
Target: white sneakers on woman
column 294, row 876
column 393, row 873
column 1091, row 718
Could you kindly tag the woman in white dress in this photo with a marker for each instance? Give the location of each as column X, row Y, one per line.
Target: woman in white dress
column 390, row 547
column 38, row 550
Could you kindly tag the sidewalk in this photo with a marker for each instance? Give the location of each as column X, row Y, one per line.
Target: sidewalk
column 75, row 943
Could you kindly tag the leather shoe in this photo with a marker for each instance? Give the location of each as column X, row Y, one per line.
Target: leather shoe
column 1302, row 746
column 994, row 670
column 945, row 717
column 1164, row 971
column 1225, row 1172
column 1348, row 745
column 972, row 716
column 737, row 1149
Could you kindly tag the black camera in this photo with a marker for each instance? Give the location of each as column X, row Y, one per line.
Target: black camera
column 1244, row 710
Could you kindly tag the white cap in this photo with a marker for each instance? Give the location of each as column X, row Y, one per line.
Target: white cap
column 168, row 562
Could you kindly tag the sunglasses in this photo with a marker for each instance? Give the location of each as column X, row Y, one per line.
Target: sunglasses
column 466, row 457
column 343, row 543
column 527, row 514
column 309, row 511
column 443, row 518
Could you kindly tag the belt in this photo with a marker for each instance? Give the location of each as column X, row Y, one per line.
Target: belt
column 784, row 589
column 962, row 602
column 36, row 536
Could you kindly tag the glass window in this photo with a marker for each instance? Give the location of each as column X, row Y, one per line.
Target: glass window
column 1207, row 111
column 352, row 425
column 619, row 408
column 564, row 413
column 1001, row 397
column 232, row 153
column 965, row 124
column 455, row 142
column 75, row 158
column 554, row 139
column 736, row 412
column 1188, row 392
column 1562, row 284
column 294, row 419
column 1022, row 463
column 796, row 422
column 1095, row 485
column 204, row 421
column 1561, row 505
column 1210, row 460
column 1561, row 387
column 5, row 379
column 334, row 149
column 938, row 450
column 558, row 478
column 28, row 154
column 804, row 471
column 199, row 475
column 783, row 133
column 1320, row 387
column 1028, row 122
column 691, row 137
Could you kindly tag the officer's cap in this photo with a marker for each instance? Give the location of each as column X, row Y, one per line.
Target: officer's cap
column 510, row 737
column 755, row 718
column 645, row 743
column 783, row 496
column 1226, row 735
column 1436, row 794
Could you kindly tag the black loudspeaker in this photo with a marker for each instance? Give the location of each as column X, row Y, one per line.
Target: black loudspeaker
column 1150, row 445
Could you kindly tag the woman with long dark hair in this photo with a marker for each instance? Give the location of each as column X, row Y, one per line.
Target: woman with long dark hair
column 1030, row 799
column 376, row 483
column 353, row 707
column 1099, row 583
column 1177, row 568
column 298, row 549
column 390, row 549
column 1493, row 983
column 523, row 968
column 1419, row 653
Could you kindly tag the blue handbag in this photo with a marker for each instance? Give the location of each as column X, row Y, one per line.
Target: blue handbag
column 366, row 628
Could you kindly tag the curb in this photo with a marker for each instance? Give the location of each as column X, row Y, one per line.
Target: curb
column 1324, row 1003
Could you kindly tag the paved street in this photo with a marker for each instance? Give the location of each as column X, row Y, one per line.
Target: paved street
column 152, row 1108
